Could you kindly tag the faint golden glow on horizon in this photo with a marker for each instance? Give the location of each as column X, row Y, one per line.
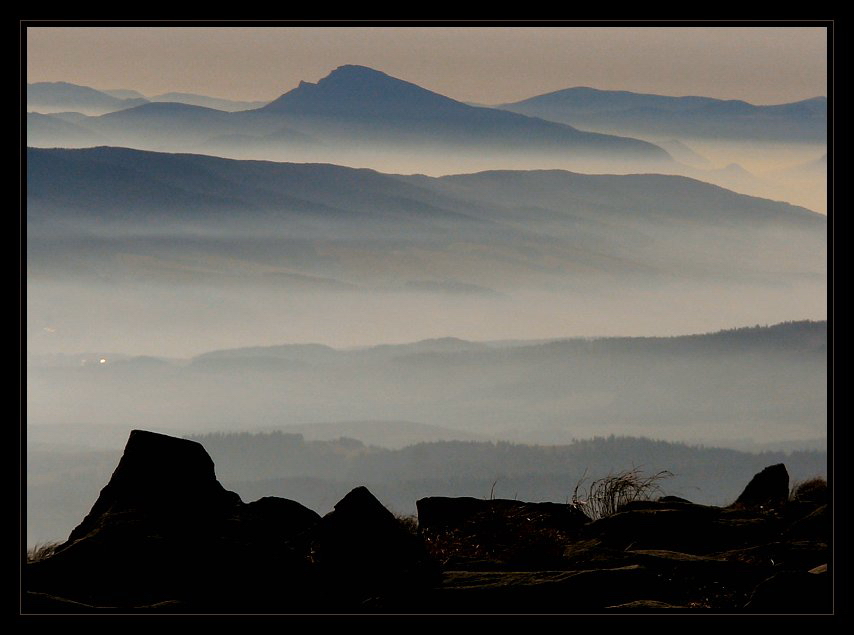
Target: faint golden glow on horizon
column 487, row 65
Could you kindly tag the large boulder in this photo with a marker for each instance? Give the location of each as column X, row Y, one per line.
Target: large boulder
column 272, row 519
column 655, row 525
column 441, row 513
column 162, row 479
column 363, row 550
column 164, row 529
column 685, row 527
column 770, row 487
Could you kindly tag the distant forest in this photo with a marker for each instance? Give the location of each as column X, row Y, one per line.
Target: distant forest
column 316, row 472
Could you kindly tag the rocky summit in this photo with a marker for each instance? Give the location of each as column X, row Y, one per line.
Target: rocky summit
column 164, row 536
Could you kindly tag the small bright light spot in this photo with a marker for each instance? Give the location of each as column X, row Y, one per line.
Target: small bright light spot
column 49, row 329
column 103, row 361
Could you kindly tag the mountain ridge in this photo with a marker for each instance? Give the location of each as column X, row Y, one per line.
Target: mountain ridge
column 598, row 223
column 60, row 95
column 814, row 333
column 99, row 153
column 597, row 95
column 362, row 86
column 354, row 105
column 644, row 114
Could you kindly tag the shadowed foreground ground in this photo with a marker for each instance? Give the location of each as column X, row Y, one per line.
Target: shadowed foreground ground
column 165, row 537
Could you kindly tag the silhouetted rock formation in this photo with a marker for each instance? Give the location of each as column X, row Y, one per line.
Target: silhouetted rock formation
column 164, row 536
column 769, row 487
column 163, row 479
column 362, row 550
column 164, row 529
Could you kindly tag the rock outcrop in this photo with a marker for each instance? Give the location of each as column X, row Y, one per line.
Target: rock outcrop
column 164, row 536
column 164, row 528
column 441, row 512
column 362, row 550
column 769, row 487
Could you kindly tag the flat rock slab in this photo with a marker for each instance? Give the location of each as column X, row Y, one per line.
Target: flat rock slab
column 663, row 557
column 711, row 580
column 774, row 556
column 542, row 591
column 693, row 529
column 642, row 606
column 793, row 592
column 437, row 513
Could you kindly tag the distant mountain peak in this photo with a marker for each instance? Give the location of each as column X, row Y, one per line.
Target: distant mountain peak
column 353, row 76
column 357, row 90
column 356, row 70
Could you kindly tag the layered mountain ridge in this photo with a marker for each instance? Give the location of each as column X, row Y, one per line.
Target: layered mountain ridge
column 353, row 105
column 691, row 117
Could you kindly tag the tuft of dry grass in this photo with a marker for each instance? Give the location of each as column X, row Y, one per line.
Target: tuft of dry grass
column 41, row 551
column 813, row 490
column 409, row 522
column 605, row 496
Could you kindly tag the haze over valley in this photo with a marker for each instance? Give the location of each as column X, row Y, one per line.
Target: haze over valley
column 295, row 248
column 439, row 417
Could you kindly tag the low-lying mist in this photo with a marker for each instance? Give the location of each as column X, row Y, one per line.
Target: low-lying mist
column 689, row 388
column 179, row 320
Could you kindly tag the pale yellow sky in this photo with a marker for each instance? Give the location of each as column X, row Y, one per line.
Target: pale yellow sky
column 483, row 64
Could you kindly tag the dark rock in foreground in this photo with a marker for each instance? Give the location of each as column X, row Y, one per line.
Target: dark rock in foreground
column 542, row 591
column 164, row 536
column 792, row 592
column 361, row 548
column 440, row 512
column 164, row 529
column 769, row 487
column 163, row 479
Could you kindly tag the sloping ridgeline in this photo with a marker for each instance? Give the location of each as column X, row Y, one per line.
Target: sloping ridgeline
column 635, row 225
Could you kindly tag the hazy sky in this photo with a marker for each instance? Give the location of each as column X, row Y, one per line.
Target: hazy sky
column 484, row 64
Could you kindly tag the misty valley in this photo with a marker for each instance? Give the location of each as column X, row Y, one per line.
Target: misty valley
column 423, row 419
column 364, row 283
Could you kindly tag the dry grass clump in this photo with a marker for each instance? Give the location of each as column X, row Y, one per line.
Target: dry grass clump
column 409, row 522
column 41, row 551
column 814, row 490
column 605, row 496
